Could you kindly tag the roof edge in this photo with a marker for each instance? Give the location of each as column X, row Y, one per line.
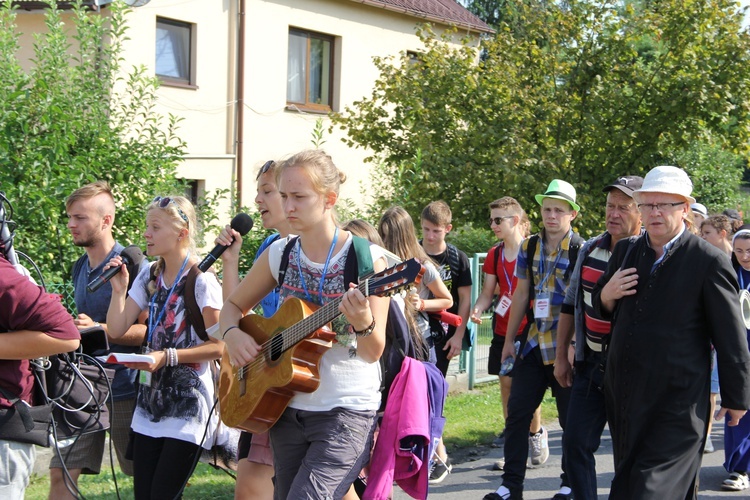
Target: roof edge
column 478, row 28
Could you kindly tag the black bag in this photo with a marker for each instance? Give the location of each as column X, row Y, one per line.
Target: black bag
column 23, row 423
column 78, row 391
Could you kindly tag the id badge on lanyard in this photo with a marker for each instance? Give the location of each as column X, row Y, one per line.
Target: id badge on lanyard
column 144, row 377
column 503, row 305
column 542, row 306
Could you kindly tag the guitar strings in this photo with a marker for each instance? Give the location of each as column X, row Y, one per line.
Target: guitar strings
column 297, row 332
column 301, row 329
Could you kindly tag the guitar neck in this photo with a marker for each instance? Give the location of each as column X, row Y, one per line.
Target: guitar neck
column 299, row 331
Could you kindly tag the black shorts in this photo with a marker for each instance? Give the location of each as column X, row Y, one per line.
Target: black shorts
column 496, row 353
column 495, row 360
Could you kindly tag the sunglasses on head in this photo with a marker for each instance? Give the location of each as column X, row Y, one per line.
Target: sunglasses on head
column 265, row 168
column 163, row 202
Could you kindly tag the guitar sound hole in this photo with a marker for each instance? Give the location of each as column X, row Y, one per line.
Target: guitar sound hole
column 277, row 347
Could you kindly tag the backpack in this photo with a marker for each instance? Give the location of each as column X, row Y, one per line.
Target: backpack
column 398, row 340
column 576, row 242
column 193, row 311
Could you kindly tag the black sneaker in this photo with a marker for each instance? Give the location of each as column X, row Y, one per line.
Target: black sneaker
column 440, row 470
column 499, row 441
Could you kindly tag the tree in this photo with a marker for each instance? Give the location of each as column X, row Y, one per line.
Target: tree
column 580, row 90
column 73, row 118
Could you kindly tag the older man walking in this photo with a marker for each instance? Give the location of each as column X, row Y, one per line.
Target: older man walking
column 586, row 413
column 669, row 295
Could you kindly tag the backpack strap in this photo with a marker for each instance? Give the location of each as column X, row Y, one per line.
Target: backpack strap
column 453, row 261
column 530, row 251
column 576, row 242
column 498, row 248
column 284, row 263
column 359, row 261
column 191, row 304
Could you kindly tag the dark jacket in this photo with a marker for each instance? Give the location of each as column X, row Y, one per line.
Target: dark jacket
column 657, row 379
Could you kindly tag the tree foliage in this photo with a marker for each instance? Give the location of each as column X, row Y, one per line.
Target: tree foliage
column 580, row 90
column 77, row 117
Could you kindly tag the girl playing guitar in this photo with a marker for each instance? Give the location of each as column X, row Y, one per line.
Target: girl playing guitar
column 323, row 438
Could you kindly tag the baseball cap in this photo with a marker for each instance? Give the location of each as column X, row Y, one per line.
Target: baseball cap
column 627, row 184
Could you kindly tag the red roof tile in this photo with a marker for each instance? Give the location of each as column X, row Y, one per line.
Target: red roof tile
column 443, row 11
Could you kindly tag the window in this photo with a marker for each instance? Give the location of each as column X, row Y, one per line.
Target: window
column 175, row 52
column 193, row 188
column 310, row 70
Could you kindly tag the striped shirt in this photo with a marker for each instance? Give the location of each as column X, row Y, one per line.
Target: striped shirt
column 543, row 332
column 592, row 269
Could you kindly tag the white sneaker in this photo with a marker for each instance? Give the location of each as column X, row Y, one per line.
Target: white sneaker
column 709, row 446
column 538, row 447
column 737, row 481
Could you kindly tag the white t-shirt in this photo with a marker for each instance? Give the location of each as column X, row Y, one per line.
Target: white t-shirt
column 346, row 380
column 178, row 402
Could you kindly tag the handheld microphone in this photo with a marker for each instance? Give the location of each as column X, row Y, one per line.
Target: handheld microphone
column 242, row 223
column 131, row 255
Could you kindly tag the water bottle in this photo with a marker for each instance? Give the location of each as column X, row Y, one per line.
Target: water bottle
column 507, row 365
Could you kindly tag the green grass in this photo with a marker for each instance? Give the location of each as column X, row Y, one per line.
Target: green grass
column 206, row 483
column 473, row 418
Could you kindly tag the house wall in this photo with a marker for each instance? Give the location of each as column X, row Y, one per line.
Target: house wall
column 362, row 32
column 272, row 129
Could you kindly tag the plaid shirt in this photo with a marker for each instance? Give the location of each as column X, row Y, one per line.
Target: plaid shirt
column 543, row 332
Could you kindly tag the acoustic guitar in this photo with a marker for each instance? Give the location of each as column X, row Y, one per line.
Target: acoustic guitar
column 292, row 341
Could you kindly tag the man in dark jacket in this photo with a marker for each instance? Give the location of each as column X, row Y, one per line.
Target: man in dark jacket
column 670, row 295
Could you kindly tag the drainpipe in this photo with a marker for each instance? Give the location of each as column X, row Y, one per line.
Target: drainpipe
column 240, row 101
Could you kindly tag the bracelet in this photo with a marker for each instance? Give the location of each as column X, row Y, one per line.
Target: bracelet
column 227, row 331
column 421, row 305
column 367, row 331
column 171, row 356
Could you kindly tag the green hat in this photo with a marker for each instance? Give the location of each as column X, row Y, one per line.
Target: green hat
column 560, row 190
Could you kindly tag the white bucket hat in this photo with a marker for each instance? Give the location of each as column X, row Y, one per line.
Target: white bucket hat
column 668, row 180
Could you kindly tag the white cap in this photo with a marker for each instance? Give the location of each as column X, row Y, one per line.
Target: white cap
column 699, row 209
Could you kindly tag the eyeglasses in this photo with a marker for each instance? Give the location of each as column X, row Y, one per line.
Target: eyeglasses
column 265, row 168
column 739, row 251
column 661, row 207
column 164, row 203
column 499, row 220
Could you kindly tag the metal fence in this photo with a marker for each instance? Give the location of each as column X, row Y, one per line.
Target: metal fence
column 474, row 361
column 65, row 292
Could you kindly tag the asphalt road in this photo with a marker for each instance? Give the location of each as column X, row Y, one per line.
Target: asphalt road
column 473, row 479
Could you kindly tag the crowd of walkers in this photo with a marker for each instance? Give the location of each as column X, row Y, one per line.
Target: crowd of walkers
column 640, row 327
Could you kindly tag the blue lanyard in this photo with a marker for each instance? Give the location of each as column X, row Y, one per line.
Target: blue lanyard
column 505, row 271
column 543, row 281
column 152, row 319
column 325, row 267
